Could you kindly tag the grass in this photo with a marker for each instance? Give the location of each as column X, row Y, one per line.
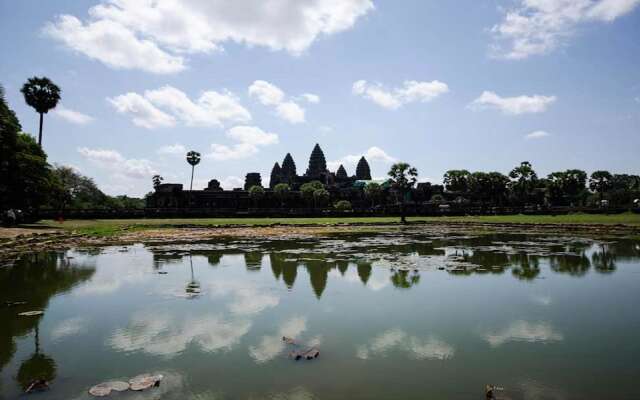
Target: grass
column 107, row 227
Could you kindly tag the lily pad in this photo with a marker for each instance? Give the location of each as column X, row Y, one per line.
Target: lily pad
column 144, row 381
column 31, row 313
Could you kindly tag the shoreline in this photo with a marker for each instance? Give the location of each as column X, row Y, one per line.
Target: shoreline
column 17, row 241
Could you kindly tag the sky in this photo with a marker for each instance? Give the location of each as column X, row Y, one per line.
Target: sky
column 468, row 84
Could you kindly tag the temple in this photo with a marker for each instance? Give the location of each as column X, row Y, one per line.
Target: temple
column 340, row 185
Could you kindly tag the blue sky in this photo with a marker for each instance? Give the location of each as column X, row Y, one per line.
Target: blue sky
column 473, row 84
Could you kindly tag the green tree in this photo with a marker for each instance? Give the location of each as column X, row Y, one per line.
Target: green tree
column 32, row 181
column 523, row 181
column 256, row 193
column 42, row 95
column 373, row 191
column 9, row 130
column 281, row 191
column 403, row 177
column 307, row 190
column 343, row 205
column 457, row 180
column 321, row 197
column 600, row 182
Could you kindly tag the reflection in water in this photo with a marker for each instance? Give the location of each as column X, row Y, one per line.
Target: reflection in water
column 273, row 345
column 193, row 287
column 35, row 279
column 523, row 331
column 604, row 259
column 164, row 334
column 397, row 339
column 38, row 367
column 404, row 279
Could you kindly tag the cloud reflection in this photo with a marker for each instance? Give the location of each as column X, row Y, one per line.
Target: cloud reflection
column 68, row 327
column 397, row 339
column 523, row 331
column 165, row 335
column 270, row 346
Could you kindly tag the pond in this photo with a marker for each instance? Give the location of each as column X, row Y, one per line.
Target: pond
column 409, row 314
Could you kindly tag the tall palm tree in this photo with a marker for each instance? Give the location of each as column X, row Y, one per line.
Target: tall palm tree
column 43, row 95
column 193, row 158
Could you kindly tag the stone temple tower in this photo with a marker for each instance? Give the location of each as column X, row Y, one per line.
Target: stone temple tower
column 317, row 163
column 363, row 172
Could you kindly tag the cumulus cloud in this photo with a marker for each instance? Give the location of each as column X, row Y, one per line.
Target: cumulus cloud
column 270, row 95
column 155, row 36
column 373, row 154
column 117, row 165
column 163, row 106
column 537, row 135
column 172, row 149
column 536, row 27
column 144, row 114
column 75, row 117
column 311, row 98
column 392, row 99
column 248, row 138
column 513, row 105
column 398, row 340
column 113, row 44
column 523, row 331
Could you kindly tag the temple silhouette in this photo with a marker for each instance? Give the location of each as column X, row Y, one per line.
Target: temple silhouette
column 340, row 185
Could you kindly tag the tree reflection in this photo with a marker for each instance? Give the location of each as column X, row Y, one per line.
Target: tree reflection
column 405, row 279
column 193, row 287
column 526, row 267
column 574, row 265
column 40, row 277
column 38, row 367
column 604, row 259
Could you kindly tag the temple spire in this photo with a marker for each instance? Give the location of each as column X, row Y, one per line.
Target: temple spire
column 341, row 173
column 363, row 172
column 276, row 175
column 317, row 162
column 288, row 168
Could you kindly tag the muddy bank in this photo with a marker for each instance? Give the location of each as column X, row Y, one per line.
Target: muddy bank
column 16, row 241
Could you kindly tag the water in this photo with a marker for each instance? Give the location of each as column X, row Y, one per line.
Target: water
column 409, row 315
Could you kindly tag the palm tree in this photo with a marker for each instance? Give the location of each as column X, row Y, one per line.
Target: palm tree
column 157, row 180
column 41, row 94
column 403, row 177
column 193, row 158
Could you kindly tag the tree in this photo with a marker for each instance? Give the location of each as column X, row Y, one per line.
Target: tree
column 193, row 158
column 479, row 186
column 373, row 191
column 343, row 205
column 307, row 190
column 457, row 180
column 41, row 94
column 523, row 181
column 157, row 180
column 600, row 182
column 321, row 197
column 281, row 191
column 403, row 177
column 256, row 193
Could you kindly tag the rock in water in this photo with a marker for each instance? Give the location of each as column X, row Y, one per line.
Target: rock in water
column 144, row 381
column 100, row 390
column 31, row 313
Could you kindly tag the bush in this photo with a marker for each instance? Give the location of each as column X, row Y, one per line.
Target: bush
column 343, row 205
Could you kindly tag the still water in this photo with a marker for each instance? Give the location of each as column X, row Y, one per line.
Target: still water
column 399, row 315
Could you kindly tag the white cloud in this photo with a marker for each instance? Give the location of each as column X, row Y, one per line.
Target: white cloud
column 271, row 95
column 172, row 149
column 513, row 105
column 163, row 106
column 311, row 98
column 537, row 135
column 155, row 35
column 144, row 114
column 75, row 117
column 373, row 154
column 231, row 182
column 291, row 112
column 267, row 93
column 411, row 91
column 113, row 44
column 118, row 165
column 396, row 339
column 249, row 139
column 523, row 331
column 539, row 26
